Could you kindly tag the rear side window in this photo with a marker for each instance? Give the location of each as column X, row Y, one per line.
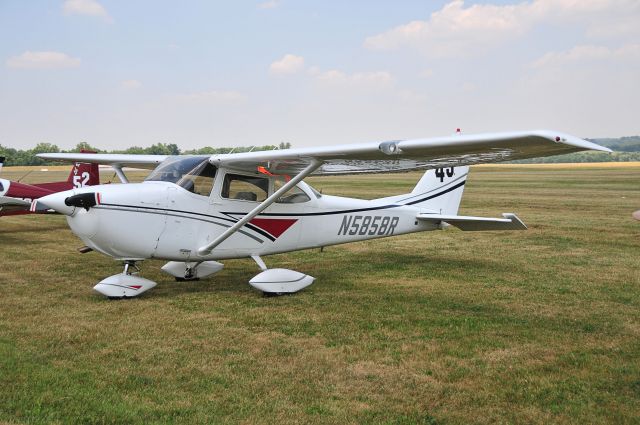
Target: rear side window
column 245, row 188
column 295, row 195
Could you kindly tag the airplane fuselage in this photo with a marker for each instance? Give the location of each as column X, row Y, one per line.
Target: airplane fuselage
column 163, row 220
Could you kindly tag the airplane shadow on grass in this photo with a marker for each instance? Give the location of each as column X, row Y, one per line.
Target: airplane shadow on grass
column 345, row 277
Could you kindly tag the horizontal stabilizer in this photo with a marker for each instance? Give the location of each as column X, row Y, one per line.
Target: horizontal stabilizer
column 471, row 224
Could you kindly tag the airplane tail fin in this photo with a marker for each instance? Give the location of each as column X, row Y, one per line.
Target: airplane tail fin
column 439, row 190
column 83, row 174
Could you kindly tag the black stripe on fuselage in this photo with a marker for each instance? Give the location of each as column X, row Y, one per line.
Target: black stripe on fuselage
column 433, row 190
column 232, row 220
column 417, row 201
column 166, row 212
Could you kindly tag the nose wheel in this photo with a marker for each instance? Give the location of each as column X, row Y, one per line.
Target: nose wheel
column 127, row 284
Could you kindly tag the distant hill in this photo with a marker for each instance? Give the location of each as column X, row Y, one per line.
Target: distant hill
column 622, row 144
column 626, row 149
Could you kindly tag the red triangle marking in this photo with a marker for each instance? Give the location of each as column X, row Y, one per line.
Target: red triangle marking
column 275, row 226
column 136, row 287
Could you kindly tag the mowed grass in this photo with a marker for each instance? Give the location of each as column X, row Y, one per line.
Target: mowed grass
column 442, row 327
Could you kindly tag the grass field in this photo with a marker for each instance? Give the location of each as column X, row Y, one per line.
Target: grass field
column 541, row 326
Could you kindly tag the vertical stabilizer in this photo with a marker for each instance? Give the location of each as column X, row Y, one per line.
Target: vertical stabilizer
column 439, row 190
column 83, row 174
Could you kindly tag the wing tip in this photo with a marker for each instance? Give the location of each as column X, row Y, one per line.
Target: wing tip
column 574, row 141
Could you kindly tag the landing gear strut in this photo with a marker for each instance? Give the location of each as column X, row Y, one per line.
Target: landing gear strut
column 128, row 264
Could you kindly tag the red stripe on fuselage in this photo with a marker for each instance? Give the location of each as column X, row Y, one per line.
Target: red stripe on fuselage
column 275, row 226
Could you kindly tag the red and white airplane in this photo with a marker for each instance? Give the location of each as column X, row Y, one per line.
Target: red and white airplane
column 16, row 197
column 195, row 210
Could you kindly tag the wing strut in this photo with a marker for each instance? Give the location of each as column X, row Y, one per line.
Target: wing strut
column 257, row 210
column 118, row 169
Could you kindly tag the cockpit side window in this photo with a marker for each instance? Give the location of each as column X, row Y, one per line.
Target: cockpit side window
column 200, row 179
column 245, row 188
column 173, row 168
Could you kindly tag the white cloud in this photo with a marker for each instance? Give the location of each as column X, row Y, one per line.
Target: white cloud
column 87, row 8
column 457, row 29
column 272, row 4
column 131, row 84
column 289, row 64
column 584, row 53
column 42, row 60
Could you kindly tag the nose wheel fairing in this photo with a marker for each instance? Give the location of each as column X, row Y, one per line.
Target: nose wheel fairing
column 124, row 285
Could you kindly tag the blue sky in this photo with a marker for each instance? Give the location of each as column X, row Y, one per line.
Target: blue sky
column 205, row 73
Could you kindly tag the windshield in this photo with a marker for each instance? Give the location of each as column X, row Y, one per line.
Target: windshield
column 194, row 173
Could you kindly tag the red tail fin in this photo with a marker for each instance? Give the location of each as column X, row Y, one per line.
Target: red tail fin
column 83, row 174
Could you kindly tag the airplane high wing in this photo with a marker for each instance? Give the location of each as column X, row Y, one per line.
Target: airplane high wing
column 407, row 155
column 390, row 156
column 136, row 161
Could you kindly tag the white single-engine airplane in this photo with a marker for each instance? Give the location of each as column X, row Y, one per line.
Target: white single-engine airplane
column 194, row 210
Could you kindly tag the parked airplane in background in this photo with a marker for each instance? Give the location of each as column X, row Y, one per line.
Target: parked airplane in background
column 16, row 197
column 194, row 210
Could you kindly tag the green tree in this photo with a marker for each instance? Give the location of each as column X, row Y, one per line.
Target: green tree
column 84, row 146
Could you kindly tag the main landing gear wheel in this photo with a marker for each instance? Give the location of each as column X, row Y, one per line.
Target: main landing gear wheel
column 277, row 282
column 126, row 284
column 186, row 279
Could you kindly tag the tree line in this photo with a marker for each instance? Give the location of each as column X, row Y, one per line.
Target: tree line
column 28, row 156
